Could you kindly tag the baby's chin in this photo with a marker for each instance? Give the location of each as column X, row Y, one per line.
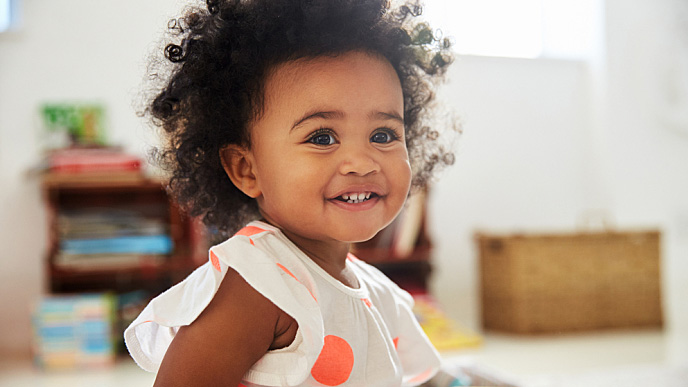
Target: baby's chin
column 356, row 236
column 353, row 231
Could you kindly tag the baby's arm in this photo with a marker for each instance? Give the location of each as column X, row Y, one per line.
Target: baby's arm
column 235, row 330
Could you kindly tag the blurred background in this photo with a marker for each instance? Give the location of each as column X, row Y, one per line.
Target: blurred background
column 574, row 118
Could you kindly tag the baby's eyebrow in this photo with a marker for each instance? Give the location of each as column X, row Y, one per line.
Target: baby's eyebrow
column 317, row 114
column 337, row 114
column 386, row 116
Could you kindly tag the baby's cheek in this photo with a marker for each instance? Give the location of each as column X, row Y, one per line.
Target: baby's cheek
column 402, row 182
column 404, row 175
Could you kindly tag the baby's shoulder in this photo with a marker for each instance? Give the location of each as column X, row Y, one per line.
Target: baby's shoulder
column 239, row 305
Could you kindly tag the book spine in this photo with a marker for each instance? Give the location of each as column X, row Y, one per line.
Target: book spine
column 147, row 244
column 96, row 167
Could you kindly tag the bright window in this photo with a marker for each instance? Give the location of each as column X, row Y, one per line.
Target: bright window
column 6, row 13
column 519, row 28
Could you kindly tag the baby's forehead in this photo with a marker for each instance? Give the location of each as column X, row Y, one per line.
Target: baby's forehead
column 323, row 63
column 357, row 70
column 353, row 85
column 303, row 71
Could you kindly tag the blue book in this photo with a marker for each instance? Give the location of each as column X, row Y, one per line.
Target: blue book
column 74, row 330
column 140, row 244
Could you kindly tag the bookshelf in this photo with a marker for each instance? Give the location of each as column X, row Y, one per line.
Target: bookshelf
column 146, row 242
column 116, row 233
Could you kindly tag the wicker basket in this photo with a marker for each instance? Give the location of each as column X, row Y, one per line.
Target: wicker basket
column 569, row 282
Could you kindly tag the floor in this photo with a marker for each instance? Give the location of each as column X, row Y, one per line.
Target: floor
column 628, row 358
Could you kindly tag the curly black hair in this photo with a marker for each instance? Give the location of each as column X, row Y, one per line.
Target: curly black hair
column 214, row 86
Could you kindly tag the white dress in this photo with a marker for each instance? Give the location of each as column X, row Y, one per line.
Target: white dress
column 346, row 337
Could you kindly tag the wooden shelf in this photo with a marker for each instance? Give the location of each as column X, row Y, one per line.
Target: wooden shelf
column 125, row 190
column 127, row 179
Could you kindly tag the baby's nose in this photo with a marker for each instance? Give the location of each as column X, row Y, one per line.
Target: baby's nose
column 358, row 161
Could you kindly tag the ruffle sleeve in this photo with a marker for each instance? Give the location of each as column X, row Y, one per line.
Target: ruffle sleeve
column 279, row 277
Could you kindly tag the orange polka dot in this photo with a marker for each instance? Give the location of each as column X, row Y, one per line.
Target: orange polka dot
column 249, row 231
column 287, row 271
column 352, row 257
column 335, row 363
column 215, row 261
column 423, row 376
column 396, row 342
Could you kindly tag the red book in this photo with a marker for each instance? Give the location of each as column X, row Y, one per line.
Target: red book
column 92, row 160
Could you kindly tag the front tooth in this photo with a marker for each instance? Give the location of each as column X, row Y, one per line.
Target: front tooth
column 361, row 196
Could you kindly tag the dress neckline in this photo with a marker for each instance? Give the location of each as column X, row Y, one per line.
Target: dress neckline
column 360, row 292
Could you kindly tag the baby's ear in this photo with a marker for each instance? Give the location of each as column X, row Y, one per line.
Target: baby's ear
column 238, row 164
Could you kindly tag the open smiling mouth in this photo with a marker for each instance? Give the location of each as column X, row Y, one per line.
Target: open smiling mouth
column 355, row 198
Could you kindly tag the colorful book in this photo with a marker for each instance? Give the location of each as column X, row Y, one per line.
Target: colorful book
column 106, row 261
column 88, row 160
column 444, row 333
column 74, row 331
column 138, row 244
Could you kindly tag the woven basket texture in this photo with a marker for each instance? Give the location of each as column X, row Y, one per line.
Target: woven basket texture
column 570, row 282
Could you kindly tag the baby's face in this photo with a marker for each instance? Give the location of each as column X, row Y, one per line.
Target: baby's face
column 329, row 151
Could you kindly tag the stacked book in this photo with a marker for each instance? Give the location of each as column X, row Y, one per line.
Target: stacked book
column 74, row 331
column 444, row 333
column 92, row 160
column 88, row 164
column 102, row 238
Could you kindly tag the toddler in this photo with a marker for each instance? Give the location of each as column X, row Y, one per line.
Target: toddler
column 295, row 126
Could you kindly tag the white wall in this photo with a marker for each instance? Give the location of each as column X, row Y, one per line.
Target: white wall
column 647, row 130
column 547, row 142
column 75, row 50
column 522, row 162
column 534, row 156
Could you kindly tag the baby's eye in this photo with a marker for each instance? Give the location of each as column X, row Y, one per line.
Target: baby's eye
column 384, row 136
column 320, row 138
